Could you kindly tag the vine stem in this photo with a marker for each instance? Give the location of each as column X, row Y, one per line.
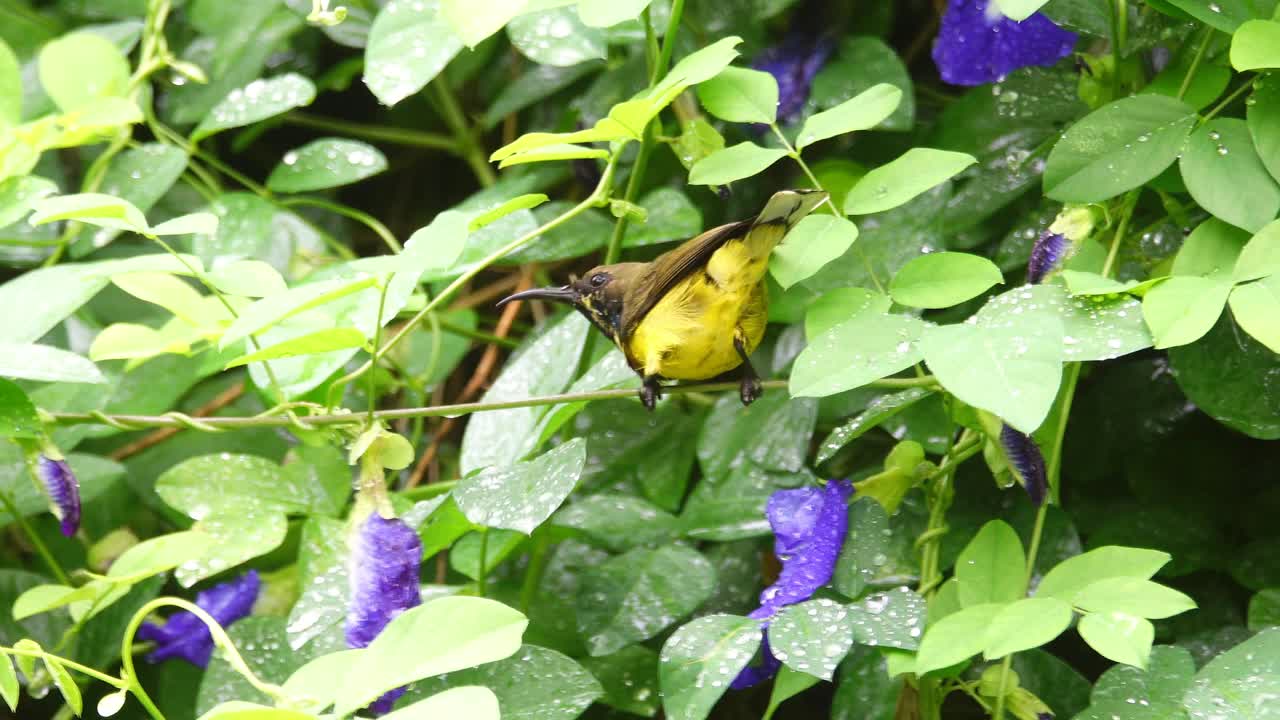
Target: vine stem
column 82, row 669
column 385, row 133
column 1195, row 62
column 452, row 114
column 41, row 549
column 216, row 424
column 359, row 216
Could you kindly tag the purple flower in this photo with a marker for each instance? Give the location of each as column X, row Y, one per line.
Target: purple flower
column 1027, row 461
column 384, row 564
column 63, row 490
column 977, row 44
column 793, row 64
column 809, row 525
column 186, row 636
column 1048, row 251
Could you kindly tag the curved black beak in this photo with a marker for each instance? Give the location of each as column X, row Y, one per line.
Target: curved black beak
column 564, row 294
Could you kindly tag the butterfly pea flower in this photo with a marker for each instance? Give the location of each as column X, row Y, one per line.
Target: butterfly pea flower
column 61, row 487
column 809, row 525
column 1027, row 461
column 386, row 555
column 977, row 44
column 184, row 635
column 1058, row 242
column 794, row 64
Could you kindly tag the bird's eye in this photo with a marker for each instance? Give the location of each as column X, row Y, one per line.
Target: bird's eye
column 599, row 279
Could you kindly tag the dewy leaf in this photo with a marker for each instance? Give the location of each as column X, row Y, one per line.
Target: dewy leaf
column 876, row 412
column 159, row 554
column 910, row 174
column 94, row 208
column 326, row 163
column 939, row 280
column 444, row 635
column 206, row 483
column 1118, row 636
column 812, row 636
column 248, row 278
column 836, row 306
column 637, row 595
column 700, row 659
column 1220, row 375
column 81, row 67
column 889, row 619
column 259, row 100
column 741, row 95
column 1182, row 309
column 956, row 637
column 1156, row 692
column 1256, row 45
column 1071, row 576
column 991, row 566
column 522, row 496
column 606, row 13
column 1025, row 624
column 815, row 241
column 1262, row 112
column 47, row 364
column 1256, row 308
column 17, row 413
column 734, row 163
column 534, row 684
column 1117, row 148
column 557, row 37
column 1218, row 160
column 862, row 112
column 618, row 522
column 18, row 195
column 869, row 346
column 475, row 20
column 471, row 701
column 410, row 42
column 1241, row 683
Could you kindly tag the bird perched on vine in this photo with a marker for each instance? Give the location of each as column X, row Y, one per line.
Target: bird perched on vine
column 695, row 312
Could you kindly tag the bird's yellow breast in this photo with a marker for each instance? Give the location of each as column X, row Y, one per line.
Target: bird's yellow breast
column 689, row 334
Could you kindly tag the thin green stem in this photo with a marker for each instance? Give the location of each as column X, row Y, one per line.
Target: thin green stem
column 219, row 423
column 668, row 41
column 385, row 133
column 359, row 216
column 423, row 492
column 452, row 114
column 1126, row 215
column 41, row 549
column 482, row 575
column 377, row 341
column 71, row 664
column 478, row 335
column 1195, row 62
column 1226, row 101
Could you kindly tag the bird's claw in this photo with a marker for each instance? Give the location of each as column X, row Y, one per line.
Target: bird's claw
column 749, row 389
column 650, row 391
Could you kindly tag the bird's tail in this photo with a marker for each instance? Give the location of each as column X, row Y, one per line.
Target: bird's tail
column 780, row 214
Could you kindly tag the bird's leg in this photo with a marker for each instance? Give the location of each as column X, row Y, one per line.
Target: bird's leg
column 650, row 391
column 749, row 388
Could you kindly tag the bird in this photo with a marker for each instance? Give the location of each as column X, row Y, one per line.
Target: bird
column 695, row 312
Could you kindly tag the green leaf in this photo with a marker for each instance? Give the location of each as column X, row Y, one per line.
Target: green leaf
column 1240, row 683
column 326, row 163
column 238, row 536
column 1217, row 160
column 534, row 684
column 93, row 208
column 445, row 635
column 696, row 67
column 410, row 42
column 910, row 174
column 10, row 97
column 671, row 216
column 860, row 63
column 1019, row 9
column 473, row 701
column 1256, row 44
column 836, row 306
column 204, row 483
column 629, row 678
column 47, row 364
column 889, row 619
column 141, row 175
column 1098, row 328
column 990, row 568
column 771, row 434
column 1262, row 113
column 787, row 685
column 955, row 638
column 1086, row 284
column 1117, row 148
column 8, row 683
column 865, row 548
column 1260, row 256
column 1226, row 15
column 164, row 290
column 815, row 241
column 864, row 112
column 522, row 496
column 316, row 342
column 199, row 223
column 700, row 659
column 264, row 646
column 606, row 13
column 1071, row 576
column 125, row 341
column 1025, row 624
column 271, row 310
column 557, row 37
column 943, row 279
column 884, row 344
column 81, row 67
column 734, row 163
column 1010, row 366
column 1264, row 609
column 812, row 636
column 876, row 412
column 1256, row 308
column 741, row 95
column 18, row 417
column 18, row 195
column 637, row 595
column 66, row 685
column 475, row 20
column 1220, row 375
column 248, row 278
column 1133, row 596
column 1182, row 309
column 1118, row 636
column 618, row 522
column 259, row 100
column 1130, row 693
column 160, row 553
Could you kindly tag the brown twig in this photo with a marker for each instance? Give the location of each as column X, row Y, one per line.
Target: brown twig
column 479, row 378
column 219, row 401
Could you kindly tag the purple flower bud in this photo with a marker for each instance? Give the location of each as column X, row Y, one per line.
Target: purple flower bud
column 753, row 675
column 809, row 525
column 384, row 565
column 186, row 636
column 794, row 64
column 1048, row 251
column 1027, row 461
column 63, row 490
column 977, row 44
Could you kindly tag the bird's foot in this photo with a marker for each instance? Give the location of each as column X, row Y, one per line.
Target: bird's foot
column 749, row 389
column 650, row 391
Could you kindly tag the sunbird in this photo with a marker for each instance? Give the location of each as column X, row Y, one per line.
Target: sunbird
column 694, row 312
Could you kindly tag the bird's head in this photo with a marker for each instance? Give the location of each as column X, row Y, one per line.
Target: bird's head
column 599, row 295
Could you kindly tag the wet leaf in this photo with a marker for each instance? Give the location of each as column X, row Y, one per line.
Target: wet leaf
column 556, row 37
column 534, row 684
column 699, row 661
column 522, row 496
column 812, row 637
column 257, row 101
column 326, row 163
